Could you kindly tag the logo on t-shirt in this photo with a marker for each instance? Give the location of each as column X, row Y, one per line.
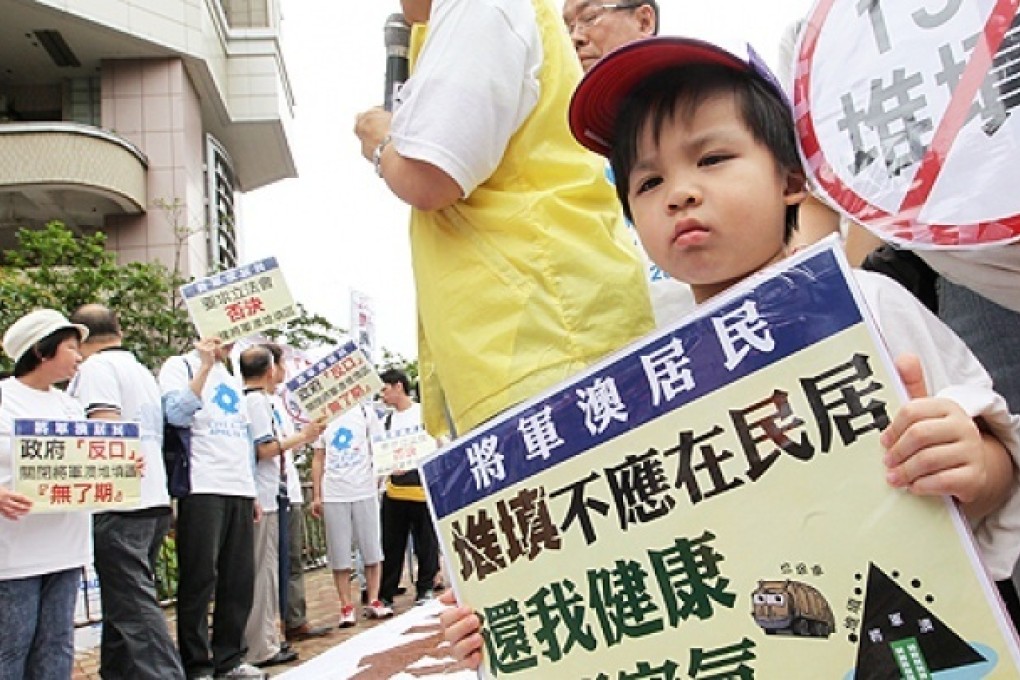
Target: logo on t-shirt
column 342, row 439
column 226, row 398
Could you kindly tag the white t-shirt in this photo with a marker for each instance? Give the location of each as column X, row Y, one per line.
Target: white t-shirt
column 263, row 429
column 113, row 379
column 484, row 73
column 221, row 451
column 38, row 543
column 285, row 426
column 348, row 473
column 406, row 419
column 952, row 371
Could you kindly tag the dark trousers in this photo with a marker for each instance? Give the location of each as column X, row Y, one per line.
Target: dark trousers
column 216, row 555
column 135, row 640
column 296, row 615
column 399, row 520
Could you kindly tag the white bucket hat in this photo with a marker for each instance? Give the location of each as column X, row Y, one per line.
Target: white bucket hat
column 35, row 326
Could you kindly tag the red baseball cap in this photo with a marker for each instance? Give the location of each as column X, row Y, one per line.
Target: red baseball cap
column 597, row 99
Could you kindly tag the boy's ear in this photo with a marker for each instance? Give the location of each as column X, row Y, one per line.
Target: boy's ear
column 795, row 190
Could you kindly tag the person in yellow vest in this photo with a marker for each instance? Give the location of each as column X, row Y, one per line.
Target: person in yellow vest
column 524, row 271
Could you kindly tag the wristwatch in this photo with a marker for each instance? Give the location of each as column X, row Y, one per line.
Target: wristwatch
column 377, row 155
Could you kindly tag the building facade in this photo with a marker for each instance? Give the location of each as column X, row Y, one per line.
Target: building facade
column 143, row 120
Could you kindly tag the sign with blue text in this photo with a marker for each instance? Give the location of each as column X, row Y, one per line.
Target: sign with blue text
column 335, row 383
column 711, row 502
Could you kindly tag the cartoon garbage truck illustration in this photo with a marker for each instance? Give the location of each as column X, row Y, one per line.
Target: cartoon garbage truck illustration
column 793, row 607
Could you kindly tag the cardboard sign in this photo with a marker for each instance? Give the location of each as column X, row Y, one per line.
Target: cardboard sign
column 70, row 465
column 401, row 450
column 905, row 116
column 711, row 503
column 240, row 301
column 335, row 383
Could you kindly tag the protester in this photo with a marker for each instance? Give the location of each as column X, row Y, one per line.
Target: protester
column 596, row 29
column 701, row 138
column 404, row 511
column 345, row 495
column 296, row 624
column 41, row 555
column 262, row 634
column 112, row 384
column 215, row 522
column 503, row 204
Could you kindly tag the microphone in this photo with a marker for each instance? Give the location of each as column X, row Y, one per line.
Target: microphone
column 397, row 34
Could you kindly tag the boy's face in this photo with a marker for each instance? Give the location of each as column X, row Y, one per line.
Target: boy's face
column 708, row 200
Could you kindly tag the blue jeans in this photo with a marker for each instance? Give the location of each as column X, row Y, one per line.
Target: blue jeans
column 37, row 626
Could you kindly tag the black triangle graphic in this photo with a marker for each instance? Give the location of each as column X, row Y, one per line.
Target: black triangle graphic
column 898, row 633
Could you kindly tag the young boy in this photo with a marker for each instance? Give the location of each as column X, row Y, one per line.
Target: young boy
column 702, row 146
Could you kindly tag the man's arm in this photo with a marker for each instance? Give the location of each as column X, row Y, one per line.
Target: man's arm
column 419, row 184
column 318, row 465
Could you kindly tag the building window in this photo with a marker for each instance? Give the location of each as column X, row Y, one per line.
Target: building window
column 221, row 185
column 247, row 13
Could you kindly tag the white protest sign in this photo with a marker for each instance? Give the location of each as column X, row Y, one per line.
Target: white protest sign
column 70, row 465
column 240, row 301
column 905, row 117
column 401, row 449
column 335, row 383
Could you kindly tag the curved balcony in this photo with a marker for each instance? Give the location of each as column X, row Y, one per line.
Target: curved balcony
column 75, row 173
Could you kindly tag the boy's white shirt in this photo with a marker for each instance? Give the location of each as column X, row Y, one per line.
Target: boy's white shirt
column 952, row 371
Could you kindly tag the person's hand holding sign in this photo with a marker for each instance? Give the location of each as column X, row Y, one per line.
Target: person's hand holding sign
column 934, row 448
column 13, row 505
column 462, row 629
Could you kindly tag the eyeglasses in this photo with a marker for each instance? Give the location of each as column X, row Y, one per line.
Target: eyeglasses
column 593, row 14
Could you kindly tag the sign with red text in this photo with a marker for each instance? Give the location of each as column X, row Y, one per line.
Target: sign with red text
column 70, row 465
column 711, row 502
column 905, row 117
column 335, row 383
column 401, row 450
column 241, row 301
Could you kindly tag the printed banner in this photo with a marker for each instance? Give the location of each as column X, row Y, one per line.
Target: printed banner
column 905, row 116
column 363, row 322
column 70, row 465
column 335, row 383
column 401, row 450
column 240, row 301
column 711, row 503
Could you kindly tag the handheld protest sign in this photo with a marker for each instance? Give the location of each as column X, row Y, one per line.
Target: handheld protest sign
column 712, row 499
column 335, row 383
column 70, row 465
column 905, row 117
column 401, row 450
column 240, row 301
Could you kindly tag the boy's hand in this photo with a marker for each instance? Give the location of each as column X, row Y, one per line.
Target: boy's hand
column 932, row 446
column 461, row 628
column 14, row 505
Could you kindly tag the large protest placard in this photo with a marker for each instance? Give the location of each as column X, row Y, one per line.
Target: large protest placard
column 69, row 465
column 240, row 301
column 712, row 503
column 401, row 450
column 905, row 116
column 335, row 383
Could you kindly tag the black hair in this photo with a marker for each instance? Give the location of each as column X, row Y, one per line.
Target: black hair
column 255, row 362
column 679, row 91
column 101, row 321
column 392, row 376
column 42, row 350
column 275, row 350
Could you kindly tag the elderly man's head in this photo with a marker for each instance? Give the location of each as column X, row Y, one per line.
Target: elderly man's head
column 597, row 27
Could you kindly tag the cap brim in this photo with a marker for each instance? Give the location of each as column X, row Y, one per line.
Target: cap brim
column 597, row 100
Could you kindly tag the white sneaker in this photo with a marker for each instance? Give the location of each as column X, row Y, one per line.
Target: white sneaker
column 348, row 617
column 378, row 610
column 244, row 672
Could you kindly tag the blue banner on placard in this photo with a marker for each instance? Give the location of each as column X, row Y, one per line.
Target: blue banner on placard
column 772, row 321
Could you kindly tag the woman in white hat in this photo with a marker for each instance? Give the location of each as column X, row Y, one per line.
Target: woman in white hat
column 41, row 555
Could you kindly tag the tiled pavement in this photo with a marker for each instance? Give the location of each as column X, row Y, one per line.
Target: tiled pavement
column 323, row 609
